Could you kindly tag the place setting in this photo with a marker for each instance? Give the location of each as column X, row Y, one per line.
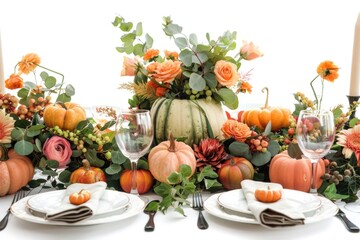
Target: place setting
column 56, row 207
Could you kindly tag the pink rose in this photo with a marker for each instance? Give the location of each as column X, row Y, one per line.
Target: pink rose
column 249, row 51
column 57, row 148
column 129, row 66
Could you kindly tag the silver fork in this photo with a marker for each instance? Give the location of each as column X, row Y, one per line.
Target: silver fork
column 17, row 196
column 198, row 204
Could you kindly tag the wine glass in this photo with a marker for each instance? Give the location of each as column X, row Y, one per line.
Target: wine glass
column 134, row 136
column 315, row 133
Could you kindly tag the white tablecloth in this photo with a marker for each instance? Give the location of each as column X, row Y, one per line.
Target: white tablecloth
column 172, row 225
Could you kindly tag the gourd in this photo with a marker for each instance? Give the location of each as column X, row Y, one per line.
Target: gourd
column 293, row 171
column 190, row 119
column 15, row 171
column 268, row 195
column 81, row 197
column 260, row 117
column 166, row 158
column 87, row 174
column 144, row 180
column 233, row 171
column 64, row 115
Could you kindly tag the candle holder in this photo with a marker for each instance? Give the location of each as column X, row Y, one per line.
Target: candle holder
column 351, row 100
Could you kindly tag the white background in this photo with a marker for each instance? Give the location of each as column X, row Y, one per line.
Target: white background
column 77, row 39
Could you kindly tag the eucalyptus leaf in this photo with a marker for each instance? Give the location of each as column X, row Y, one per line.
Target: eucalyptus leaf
column 273, row 147
column 193, row 39
column 230, row 99
column 17, row 134
column 91, row 156
column 181, row 42
column 210, row 79
column 23, row 147
column 113, row 169
column 52, row 163
column 23, row 93
column 139, row 30
column 117, row 157
column 261, row 158
column 63, row 98
column 50, row 82
column 44, row 75
column 70, row 90
column 186, row 57
column 197, row 82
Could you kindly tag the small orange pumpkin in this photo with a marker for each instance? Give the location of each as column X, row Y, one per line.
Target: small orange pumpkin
column 279, row 117
column 144, row 180
column 268, row 195
column 233, row 171
column 294, row 172
column 15, row 171
column 81, row 197
column 64, row 115
column 166, row 158
column 87, row 174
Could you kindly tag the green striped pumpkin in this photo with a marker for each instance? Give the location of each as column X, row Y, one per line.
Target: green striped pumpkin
column 190, row 119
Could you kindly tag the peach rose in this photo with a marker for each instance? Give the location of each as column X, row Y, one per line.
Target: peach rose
column 151, row 53
column 249, row 51
column 167, row 71
column 129, row 66
column 237, row 130
column 226, row 73
column 57, row 148
column 14, row 82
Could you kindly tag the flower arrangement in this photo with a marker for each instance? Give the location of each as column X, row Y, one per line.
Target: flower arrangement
column 197, row 71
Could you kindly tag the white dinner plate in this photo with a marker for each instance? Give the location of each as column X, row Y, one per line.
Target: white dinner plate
column 327, row 209
column 306, row 203
column 135, row 206
column 46, row 202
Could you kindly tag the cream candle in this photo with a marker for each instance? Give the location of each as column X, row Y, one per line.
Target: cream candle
column 355, row 68
column 2, row 79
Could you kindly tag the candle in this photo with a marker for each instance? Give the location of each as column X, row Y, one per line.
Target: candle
column 355, row 68
column 2, row 79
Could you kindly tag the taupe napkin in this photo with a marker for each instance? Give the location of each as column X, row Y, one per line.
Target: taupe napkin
column 70, row 213
column 271, row 215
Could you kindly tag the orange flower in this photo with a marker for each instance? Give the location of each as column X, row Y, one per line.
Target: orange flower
column 28, row 63
column 151, row 68
column 167, row 71
column 328, row 70
column 245, row 87
column 171, row 55
column 151, row 53
column 14, row 82
column 159, row 91
column 237, row 130
column 226, row 73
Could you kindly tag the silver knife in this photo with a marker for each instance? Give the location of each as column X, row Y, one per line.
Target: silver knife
column 348, row 224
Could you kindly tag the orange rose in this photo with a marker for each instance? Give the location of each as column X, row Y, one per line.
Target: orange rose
column 171, row 55
column 237, row 130
column 151, row 53
column 28, row 63
column 249, row 51
column 129, row 66
column 166, row 71
column 151, row 68
column 226, row 73
column 14, row 82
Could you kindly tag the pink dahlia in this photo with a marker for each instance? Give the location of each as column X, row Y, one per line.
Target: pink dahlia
column 349, row 139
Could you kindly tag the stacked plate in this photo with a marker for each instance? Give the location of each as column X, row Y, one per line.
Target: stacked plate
column 113, row 206
column 232, row 205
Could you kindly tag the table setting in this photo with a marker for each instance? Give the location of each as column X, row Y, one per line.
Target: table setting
column 182, row 157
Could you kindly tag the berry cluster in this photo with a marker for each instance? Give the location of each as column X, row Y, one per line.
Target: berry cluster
column 304, row 100
column 193, row 94
column 8, row 102
column 333, row 174
column 258, row 144
column 35, row 106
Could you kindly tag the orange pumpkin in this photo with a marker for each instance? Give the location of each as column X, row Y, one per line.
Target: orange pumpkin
column 278, row 116
column 268, row 195
column 294, row 173
column 144, row 180
column 233, row 171
column 87, row 174
column 166, row 158
column 64, row 115
column 15, row 171
column 81, row 197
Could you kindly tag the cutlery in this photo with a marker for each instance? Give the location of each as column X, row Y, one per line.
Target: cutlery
column 18, row 195
column 198, row 204
column 348, row 224
column 150, row 209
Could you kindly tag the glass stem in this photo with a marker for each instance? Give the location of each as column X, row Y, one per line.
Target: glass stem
column 313, row 189
column 134, row 178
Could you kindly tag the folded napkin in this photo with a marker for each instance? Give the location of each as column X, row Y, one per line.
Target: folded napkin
column 70, row 213
column 271, row 215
